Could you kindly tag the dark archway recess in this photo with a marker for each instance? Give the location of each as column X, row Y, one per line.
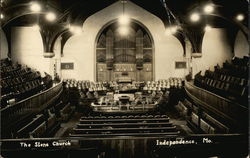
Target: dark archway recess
column 127, row 56
column 195, row 36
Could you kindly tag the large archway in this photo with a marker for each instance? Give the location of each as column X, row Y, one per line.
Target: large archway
column 124, row 56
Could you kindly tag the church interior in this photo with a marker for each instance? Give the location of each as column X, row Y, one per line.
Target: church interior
column 124, row 78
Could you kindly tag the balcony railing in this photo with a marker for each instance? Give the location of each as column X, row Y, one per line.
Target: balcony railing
column 226, row 109
column 32, row 105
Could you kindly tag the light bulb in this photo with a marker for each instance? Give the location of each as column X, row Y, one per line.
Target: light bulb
column 207, row 28
column 35, row 7
column 174, row 29
column 240, row 17
column 171, row 30
column 195, row 17
column 75, row 29
column 124, row 20
column 36, row 27
column 50, row 16
column 208, row 8
column 1, row 16
column 123, row 30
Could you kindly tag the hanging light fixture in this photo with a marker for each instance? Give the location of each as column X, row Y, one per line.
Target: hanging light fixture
column 207, row 28
column 36, row 27
column 240, row 17
column 77, row 30
column 123, row 20
column 174, row 26
column 50, row 16
column 172, row 29
column 209, row 8
column 1, row 16
column 35, row 7
column 123, row 30
column 195, row 17
column 168, row 32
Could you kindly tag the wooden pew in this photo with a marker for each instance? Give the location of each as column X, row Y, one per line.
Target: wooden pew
column 52, row 125
column 51, row 121
column 132, row 124
column 102, row 135
column 39, row 131
column 23, row 132
column 125, row 130
column 123, row 120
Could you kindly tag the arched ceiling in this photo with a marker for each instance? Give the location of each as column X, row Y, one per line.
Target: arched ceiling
column 74, row 11
column 18, row 13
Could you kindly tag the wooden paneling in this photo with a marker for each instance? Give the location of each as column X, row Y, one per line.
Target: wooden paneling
column 227, row 111
column 10, row 115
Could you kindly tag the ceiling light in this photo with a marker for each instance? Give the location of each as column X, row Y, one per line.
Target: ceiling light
column 36, row 27
column 207, row 28
column 174, row 29
column 240, row 17
column 35, row 7
column 171, row 30
column 195, row 17
column 77, row 30
column 1, row 16
column 50, row 16
column 124, row 20
column 209, row 8
column 123, row 30
column 168, row 32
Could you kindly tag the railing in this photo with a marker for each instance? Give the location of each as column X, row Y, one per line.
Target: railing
column 204, row 145
column 32, row 105
column 223, row 107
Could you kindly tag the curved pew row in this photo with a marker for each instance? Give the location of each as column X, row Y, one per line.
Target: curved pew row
column 19, row 82
column 113, row 126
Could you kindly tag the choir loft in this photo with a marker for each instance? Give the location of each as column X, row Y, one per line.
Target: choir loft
column 124, row 78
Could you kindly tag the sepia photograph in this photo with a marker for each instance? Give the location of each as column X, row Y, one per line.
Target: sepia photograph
column 124, row 78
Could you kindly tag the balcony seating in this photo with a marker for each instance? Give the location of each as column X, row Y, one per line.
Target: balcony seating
column 230, row 81
column 199, row 120
column 18, row 82
column 207, row 128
